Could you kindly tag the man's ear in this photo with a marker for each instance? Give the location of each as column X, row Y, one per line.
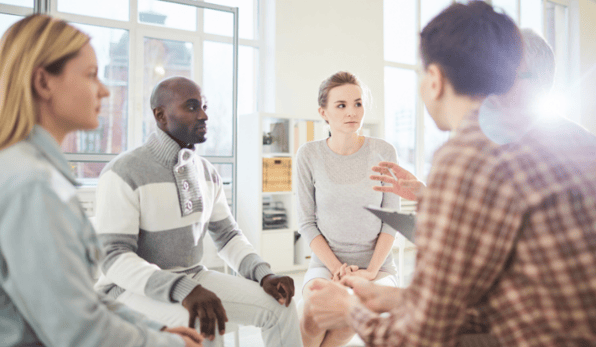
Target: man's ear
column 160, row 116
column 436, row 81
column 41, row 83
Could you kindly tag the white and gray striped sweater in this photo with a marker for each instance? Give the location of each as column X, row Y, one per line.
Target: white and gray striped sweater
column 154, row 206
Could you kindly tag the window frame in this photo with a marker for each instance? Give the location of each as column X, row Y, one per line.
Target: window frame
column 137, row 31
column 420, row 108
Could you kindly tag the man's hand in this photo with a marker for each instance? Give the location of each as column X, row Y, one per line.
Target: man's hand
column 190, row 336
column 329, row 304
column 407, row 185
column 279, row 287
column 375, row 297
column 342, row 271
column 205, row 305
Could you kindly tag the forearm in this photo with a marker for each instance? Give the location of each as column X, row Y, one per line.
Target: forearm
column 322, row 250
column 382, row 249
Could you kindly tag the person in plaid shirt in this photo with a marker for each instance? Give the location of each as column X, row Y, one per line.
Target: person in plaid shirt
column 506, row 230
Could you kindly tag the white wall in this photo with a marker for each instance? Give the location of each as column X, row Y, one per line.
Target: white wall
column 316, row 38
column 587, row 17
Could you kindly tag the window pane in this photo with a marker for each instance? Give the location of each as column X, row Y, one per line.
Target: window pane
column 111, row 49
column 400, row 114
column 399, row 21
column 509, row 6
column 430, row 8
column 248, row 59
column 168, row 14
column 531, row 15
column 86, row 172
column 217, row 87
column 162, row 59
column 6, row 20
column 110, row 9
column 24, row 3
column 557, row 36
column 222, row 23
column 433, row 139
column 225, row 171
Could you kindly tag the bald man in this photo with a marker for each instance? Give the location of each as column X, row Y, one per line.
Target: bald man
column 154, row 207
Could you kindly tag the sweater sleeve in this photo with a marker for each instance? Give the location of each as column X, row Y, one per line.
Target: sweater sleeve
column 232, row 245
column 305, row 190
column 49, row 267
column 390, row 200
column 117, row 217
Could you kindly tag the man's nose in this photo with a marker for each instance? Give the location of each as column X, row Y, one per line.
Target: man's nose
column 203, row 115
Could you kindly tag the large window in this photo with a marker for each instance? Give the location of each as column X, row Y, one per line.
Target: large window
column 138, row 43
column 407, row 124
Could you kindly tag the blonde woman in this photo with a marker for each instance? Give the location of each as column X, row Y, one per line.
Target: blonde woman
column 333, row 188
column 48, row 250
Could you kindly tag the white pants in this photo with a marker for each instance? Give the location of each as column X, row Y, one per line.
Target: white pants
column 245, row 302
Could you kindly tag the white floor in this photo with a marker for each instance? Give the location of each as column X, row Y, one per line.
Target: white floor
column 251, row 336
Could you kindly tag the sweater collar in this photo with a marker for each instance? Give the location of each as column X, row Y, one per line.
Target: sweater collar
column 164, row 148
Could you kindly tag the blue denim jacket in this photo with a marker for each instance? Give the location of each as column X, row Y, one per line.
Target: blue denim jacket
column 48, row 256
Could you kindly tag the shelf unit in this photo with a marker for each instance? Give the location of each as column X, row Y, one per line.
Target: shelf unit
column 276, row 246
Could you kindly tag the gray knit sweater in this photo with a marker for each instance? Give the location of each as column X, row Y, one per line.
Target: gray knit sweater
column 332, row 192
column 154, row 206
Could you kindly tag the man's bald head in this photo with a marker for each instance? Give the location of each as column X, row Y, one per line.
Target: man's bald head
column 167, row 88
column 179, row 110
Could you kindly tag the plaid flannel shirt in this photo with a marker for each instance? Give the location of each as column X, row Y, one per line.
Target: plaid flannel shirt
column 507, row 233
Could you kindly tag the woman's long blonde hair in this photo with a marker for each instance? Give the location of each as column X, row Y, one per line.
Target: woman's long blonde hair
column 35, row 41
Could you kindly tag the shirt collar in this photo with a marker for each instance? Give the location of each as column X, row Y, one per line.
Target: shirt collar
column 50, row 149
column 164, row 148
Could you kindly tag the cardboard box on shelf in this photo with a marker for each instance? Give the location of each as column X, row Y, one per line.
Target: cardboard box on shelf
column 277, row 174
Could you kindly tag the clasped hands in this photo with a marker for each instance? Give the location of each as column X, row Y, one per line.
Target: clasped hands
column 203, row 304
column 352, row 270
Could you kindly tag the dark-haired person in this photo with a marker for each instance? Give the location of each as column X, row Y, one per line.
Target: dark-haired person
column 155, row 204
column 49, row 87
column 506, row 230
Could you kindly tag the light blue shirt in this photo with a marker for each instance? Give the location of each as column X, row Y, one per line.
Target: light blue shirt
column 48, row 256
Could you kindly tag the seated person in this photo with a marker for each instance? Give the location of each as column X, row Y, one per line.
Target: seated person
column 154, row 207
column 48, row 249
column 505, row 229
column 333, row 187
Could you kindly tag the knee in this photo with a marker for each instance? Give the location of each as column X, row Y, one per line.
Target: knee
column 308, row 325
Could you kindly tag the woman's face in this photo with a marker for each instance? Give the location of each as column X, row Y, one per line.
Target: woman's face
column 76, row 92
column 345, row 109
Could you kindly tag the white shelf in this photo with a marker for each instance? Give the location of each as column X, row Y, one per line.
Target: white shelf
column 288, row 192
column 273, row 155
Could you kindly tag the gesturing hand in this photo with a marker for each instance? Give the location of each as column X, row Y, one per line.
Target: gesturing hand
column 279, row 287
column 205, row 305
column 190, row 336
column 407, row 185
column 375, row 297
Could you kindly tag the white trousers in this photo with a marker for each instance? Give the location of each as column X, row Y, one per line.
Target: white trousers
column 245, row 302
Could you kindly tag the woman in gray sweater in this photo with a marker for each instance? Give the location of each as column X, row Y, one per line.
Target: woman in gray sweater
column 333, row 188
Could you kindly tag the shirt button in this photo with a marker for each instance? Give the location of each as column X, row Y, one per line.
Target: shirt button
column 189, row 205
column 180, row 169
column 185, row 185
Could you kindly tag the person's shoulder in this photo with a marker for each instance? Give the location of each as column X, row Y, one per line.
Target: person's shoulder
column 381, row 145
column 128, row 163
column 24, row 166
column 310, row 147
